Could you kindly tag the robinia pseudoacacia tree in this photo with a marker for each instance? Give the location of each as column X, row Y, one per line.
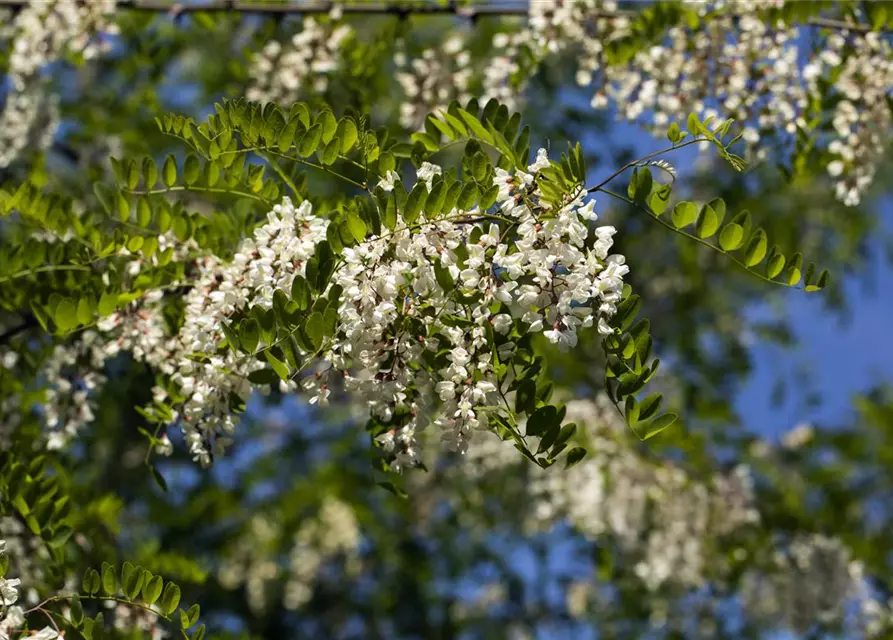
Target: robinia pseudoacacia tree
column 396, row 212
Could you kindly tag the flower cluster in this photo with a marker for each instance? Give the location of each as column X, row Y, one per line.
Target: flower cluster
column 814, row 579
column 72, row 374
column 282, row 70
column 732, row 62
column 433, row 80
column 12, row 615
column 263, row 264
column 553, row 26
column 861, row 67
column 543, row 270
column 539, row 269
column 40, row 34
column 331, row 533
column 334, row 532
column 662, row 518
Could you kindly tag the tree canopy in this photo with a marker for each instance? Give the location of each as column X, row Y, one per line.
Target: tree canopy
column 425, row 319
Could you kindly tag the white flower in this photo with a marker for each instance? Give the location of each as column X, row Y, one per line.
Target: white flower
column 388, row 182
column 427, row 172
column 835, row 168
column 502, row 323
column 8, row 592
column 541, row 162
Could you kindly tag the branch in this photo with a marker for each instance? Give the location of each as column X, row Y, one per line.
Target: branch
column 840, row 24
column 372, row 8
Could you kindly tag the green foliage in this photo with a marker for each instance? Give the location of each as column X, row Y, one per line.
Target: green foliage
column 139, row 588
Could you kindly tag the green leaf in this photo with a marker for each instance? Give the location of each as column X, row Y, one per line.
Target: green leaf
column 442, row 127
column 708, row 222
column 574, row 456
column 684, row 214
column 199, row 633
column 820, row 283
column 631, row 410
column 106, row 196
column 301, row 293
column 152, row 589
column 660, row 199
column 132, row 579
column 66, row 315
column 98, row 627
column 310, row 141
column 77, row 610
column 169, row 171
column 455, row 123
column 143, row 213
column 659, row 424
column 329, row 125
column 263, row 376
column 525, row 397
column 314, row 328
column 191, row 169
column 158, row 478
column 541, row 419
column 90, row 583
column 467, row 197
column 428, row 141
column 644, row 182
column 170, row 599
column 756, row 248
column 731, row 237
column 775, row 264
column 109, row 580
column 85, row 311
column 150, row 173
column 673, row 134
column 60, row 537
column 123, row 204
column 278, row 366
column 442, row 274
column 190, row 617
column 108, row 302
column 249, row 335
column 287, row 135
column 330, row 152
column 475, row 125
column 650, row 406
column 347, row 133
column 414, row 203
column 386, row 162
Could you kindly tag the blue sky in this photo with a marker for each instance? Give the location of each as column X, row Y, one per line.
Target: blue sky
column 843, row 356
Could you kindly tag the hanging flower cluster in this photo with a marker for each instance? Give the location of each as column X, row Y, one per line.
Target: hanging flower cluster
column 40, row 34
column 281, row 71
column 433, row 80
column 859, row 69
column 813, row 578
column 732, row 63
column 529, row 267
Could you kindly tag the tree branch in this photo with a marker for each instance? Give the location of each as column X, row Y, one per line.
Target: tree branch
column 286, row 7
